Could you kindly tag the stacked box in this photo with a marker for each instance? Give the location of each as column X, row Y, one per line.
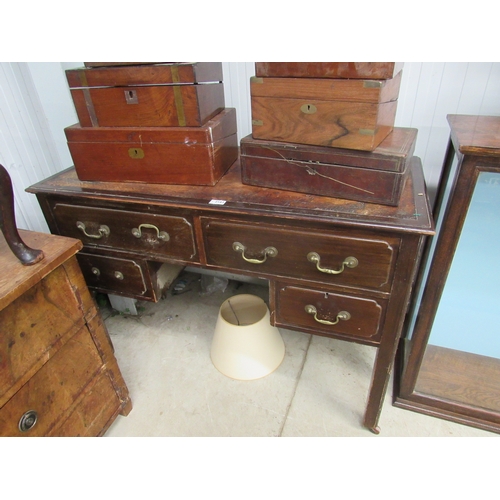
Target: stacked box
column 154, row 123
column 328, row 129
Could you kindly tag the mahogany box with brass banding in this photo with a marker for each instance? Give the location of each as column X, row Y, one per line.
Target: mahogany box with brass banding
column 160, row 155
column 344, row 113
column 147, row 95
column 376, row 177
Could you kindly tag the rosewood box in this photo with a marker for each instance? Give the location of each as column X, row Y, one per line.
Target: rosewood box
column 363, row 70
column 147, row 95
column 162, row 155
column 340, row 113
column 374, row 177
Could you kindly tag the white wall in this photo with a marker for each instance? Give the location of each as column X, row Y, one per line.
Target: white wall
column 35, row 107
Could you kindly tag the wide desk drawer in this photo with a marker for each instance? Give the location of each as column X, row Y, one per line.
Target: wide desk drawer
column 333, row 258
column 150, row 235
column 326, row 313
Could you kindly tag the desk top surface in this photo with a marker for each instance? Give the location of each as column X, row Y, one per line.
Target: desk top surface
column 230, row 196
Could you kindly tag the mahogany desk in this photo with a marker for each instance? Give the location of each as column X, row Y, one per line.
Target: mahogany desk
column 337, row 268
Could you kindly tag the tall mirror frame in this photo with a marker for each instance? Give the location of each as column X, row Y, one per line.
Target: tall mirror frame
column 449, row 357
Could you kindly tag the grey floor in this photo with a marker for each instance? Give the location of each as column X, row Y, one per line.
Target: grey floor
column 319, row 390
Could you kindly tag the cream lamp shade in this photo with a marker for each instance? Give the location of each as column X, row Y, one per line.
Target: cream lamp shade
column 245, row 345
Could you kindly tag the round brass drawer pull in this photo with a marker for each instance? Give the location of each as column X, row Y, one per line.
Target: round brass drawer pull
column 96, row 271
column 349, row 262
column 103, row 231
column 28, row 420
column 119, row 275
column 268, row 252
column 161, row 235
column 341, row 316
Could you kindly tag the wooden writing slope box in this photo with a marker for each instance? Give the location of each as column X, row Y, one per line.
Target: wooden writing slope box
column 363, row 70
column 352, row 114
column 162, row 155
column 157, row 95
column 374, row 177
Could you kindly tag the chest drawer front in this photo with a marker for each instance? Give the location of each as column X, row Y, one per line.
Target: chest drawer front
column 329, row 313
column 54, row 388
column 34, row 325
column 161, row 236
column 93, row 414
column 314, row 256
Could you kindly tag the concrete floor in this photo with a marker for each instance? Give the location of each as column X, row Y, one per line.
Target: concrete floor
column 319, row 390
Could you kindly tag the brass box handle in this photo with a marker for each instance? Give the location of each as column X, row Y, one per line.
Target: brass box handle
column 341, row 316
column 268, row 252
column 349, row 262
column 162, row 235
column 103, row 231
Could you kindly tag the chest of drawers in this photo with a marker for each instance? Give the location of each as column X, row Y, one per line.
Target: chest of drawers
column 338, row 268
column 58, row 373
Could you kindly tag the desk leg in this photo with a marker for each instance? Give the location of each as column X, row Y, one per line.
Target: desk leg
column 404, row 279
column 380, row 378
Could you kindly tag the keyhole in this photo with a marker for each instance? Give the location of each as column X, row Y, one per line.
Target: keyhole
column 131, row 96
column 136, row 153
column 308, row 109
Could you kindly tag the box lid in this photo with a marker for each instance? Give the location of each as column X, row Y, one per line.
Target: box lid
column 372, row 91
column 220, row 126
column 364, row 70
column 154, row 74
column 392, row 154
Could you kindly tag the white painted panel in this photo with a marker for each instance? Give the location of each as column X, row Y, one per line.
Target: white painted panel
column 58, row 109
column 491, row 98
column 237, row 93
column 431, row 91
column 24, row 148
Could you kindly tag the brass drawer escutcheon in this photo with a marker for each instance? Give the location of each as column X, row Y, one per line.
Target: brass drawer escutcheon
column 308, row 109
column 162, row 235
column 136, row 153
column 341, row 316
column 103, row 231
column 268, row 252
column 350, row 262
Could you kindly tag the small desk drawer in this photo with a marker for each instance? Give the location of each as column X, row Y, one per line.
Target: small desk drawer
column 328, row 313
column 114, row 275
column 322, row 257
column 151, row 235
